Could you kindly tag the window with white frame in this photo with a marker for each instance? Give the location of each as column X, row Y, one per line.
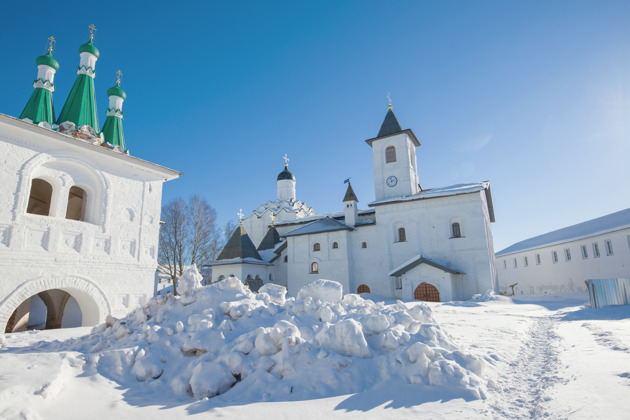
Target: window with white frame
column 584, row 252
column 595, row 250
column 609, row 248
column 537, row 259
column 314, row 268
column 567, row 254
column 554, row 256
column 390, row 154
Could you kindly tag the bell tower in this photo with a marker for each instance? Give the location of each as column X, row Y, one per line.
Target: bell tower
column 394, row 154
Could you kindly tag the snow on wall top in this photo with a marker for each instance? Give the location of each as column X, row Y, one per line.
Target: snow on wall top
column 436, row 192
column 608, row 223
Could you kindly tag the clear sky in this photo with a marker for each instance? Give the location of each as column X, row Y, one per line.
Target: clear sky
column 533, row 96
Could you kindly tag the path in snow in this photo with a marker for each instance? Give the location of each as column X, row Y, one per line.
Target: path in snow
column 522, row 389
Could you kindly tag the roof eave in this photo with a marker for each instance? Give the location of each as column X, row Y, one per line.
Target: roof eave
column 407, row 131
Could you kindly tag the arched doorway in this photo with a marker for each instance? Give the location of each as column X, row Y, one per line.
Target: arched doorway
column 364, row 288
column 427, row 293
column 46, row 310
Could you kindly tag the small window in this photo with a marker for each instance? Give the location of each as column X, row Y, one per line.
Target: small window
column 515, row 264
column 504, row 264
column 364, row 245
column 286, row 258
column 398, row 283
column 316, row 247
column 525, row 262
column 584, row 252
column 314, row 268
column 76, row 204
column 364, row 288
column 39, row 200
column 554, row 256
column 335, row 245
column 537, row 259
column 456, row 231
column 390, row 154
column 609, row 248
column 567, row 254
column 595, row 250
column 402, row 236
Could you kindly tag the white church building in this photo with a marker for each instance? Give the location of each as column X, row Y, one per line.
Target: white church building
column 562, row 260
column 433, row 244
column 79, row 216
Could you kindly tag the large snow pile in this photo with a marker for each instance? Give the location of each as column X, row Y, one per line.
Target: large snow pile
column 224, row 339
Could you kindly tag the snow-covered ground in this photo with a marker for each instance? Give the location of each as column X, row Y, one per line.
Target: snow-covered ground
column 320, row 356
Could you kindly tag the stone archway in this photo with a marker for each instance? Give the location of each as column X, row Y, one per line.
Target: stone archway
column 427, row 293
column 91, row 299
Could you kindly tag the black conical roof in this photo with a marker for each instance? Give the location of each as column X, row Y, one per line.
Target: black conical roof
column 239, row 246
column 350, row 195
column 270, row 240
column 390, row 125
column 286, row 174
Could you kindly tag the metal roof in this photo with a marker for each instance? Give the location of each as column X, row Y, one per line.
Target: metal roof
column 350, row 195
column 322, row 225
column 416, row 261
column 270, row 240
column 239, row 246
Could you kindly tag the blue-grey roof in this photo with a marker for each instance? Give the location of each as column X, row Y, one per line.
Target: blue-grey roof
column 239, row 246
column 286, row 174
column 420, row 259
column 608, row 223
column 390, row 125
column 322, row 225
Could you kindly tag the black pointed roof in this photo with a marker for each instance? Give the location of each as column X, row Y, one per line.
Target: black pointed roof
column 239, row 246
column 286, row 174
column 270, row 240
column 350, row 195
column 390, row 125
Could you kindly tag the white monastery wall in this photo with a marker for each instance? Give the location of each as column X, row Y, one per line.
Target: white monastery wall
column 566, row 275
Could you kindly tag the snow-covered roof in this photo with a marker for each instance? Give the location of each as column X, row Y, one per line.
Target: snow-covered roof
column 290, row 206
column 238, row 261
column 604, row 224
column 419, row 259
column 336, row 215
column 323, row 225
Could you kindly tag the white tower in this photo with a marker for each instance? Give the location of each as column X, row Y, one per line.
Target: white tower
column 350, row 211
column 286, row 183
column 394, row 153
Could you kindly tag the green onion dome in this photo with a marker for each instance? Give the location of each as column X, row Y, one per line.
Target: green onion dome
column 286, row 174
column 116, row 90
column 47, row 60
column 90, row 48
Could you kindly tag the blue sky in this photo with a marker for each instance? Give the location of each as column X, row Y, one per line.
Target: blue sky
column 532, row 95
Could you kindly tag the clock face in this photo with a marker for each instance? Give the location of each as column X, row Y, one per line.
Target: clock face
column 391, row 181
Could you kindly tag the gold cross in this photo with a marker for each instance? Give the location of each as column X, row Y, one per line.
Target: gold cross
column 51, row 43
column 389, row 98
column 92, row 29
column 273, row 219
column 118, row 74
column 286, row 160
column 240, row 217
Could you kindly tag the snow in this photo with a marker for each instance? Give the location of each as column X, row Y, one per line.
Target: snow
column 437, row 192
column 230, row 353
column 609, row 223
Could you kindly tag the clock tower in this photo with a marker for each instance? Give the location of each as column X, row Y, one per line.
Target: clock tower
column 394, row 154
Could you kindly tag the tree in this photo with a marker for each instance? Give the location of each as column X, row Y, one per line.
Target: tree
column 188, row 235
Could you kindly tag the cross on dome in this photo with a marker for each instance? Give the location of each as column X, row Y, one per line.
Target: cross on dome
column 92, row 29
column 240, row 217
column 286, row 160
column 51, row 43
column 118, row 74
column 389, row 98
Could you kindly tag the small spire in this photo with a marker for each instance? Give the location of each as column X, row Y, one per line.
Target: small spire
column 51, row 44
column 273, row 219
column 240, row 217
column 389, row 98
column 286, row 160
column 118, row 74
column 92, row 29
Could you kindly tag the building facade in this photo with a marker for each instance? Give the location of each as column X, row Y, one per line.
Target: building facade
column 562, row 260
column 79, row 216
column 433, row 244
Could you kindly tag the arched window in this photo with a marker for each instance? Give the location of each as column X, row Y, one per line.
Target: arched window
column 456, row 231
column 390, row 154
column 364, row 245
column 335, row 245
column 39, row 200
column 402, row 236
column 286, row 258
column 314, row 268
column 426, row 292
column 316, row 246
column 364, row 288
column 77, row 199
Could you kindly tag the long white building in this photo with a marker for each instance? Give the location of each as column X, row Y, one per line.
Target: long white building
column 562, row 260
column 433, row 244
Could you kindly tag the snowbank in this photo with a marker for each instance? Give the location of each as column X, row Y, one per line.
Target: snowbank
column 223, row 340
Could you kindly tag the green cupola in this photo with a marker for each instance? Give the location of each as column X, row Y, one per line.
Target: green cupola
column 39, row 107
column 113, row 129
column 80, row 106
